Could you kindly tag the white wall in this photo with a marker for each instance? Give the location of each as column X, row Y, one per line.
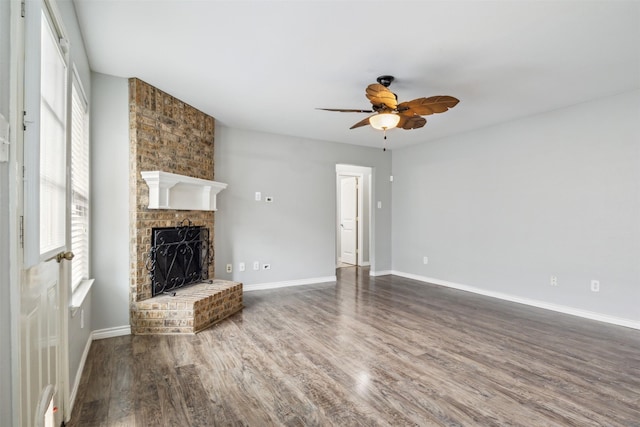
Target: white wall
column 295, row 233
column 5, row 317
column 504, row 208
column 110, row 201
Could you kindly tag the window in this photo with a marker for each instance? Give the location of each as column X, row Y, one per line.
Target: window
column 79, row 184
column 53, row 117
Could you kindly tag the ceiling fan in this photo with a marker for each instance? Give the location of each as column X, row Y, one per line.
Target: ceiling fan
column 390, row 114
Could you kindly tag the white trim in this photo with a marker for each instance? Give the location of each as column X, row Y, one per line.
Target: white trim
column 364, row 173
column 79, row 294
column 55, row 16
column 118, row 331
column 16, row 203
column 359, row 176
column 15, row 261
column 76, row 383
column 629, row 323
column 275, row 285
column 75, row 79
column 381, row 273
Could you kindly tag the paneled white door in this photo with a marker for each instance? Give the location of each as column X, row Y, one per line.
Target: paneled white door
column 348, row 219
column 44, row 272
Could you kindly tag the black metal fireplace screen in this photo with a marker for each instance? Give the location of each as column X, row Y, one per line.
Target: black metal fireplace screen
column 179, row 256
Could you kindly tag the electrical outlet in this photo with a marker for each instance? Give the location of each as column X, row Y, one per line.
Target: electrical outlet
column 266, row 266
column 553, row 281
column 256, row 265
column 595, row 286
column 258, row 196
column 241, row 266
column 229, row 268
column 425, row 260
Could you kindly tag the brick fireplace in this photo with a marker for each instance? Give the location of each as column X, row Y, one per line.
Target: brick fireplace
column 168, row 135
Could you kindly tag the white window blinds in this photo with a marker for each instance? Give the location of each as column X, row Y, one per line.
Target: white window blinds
column 79, row 185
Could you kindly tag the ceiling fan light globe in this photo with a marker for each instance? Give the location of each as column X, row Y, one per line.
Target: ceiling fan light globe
column 384, row 121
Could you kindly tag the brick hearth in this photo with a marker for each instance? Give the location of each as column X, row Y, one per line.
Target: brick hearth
column 191, row 310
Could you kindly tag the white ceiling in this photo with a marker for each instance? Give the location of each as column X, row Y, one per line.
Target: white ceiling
column 266, row 65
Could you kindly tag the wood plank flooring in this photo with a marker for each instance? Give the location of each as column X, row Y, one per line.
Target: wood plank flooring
column 379, row 351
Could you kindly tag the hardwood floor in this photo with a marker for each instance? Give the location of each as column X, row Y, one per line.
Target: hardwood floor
column 373, row 352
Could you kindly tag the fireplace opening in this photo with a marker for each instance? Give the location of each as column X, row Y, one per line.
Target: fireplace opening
column 179, row 256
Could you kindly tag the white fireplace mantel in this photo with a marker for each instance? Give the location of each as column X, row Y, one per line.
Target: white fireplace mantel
column 173, row 191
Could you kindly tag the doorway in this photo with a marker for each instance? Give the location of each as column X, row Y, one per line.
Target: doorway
column 353, row 215
column 348, row 221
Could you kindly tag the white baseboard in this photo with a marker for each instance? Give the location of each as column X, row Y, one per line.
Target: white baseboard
column 534, row 303
column 76, row 382
column 275, row 285
column 381, row 273
column 118, row 331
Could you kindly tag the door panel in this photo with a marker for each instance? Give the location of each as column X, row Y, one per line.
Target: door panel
column 40, row 341
column 348, row 219
column 43, row 282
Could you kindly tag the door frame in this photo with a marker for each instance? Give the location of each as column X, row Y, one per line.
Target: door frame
column 363, row 173
column 16, row 160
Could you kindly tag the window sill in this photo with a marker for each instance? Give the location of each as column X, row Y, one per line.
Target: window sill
column 79, row 295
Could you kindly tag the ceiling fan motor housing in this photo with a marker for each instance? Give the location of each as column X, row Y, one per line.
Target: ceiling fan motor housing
column 385, row 80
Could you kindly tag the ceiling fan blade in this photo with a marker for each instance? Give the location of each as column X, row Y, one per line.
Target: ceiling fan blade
column 361, row 123
column 426, row 106
column 411, row 122
column 345, row 110
column 380, row 95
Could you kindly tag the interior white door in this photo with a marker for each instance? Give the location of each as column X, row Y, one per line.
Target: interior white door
column 44, row 278
column 348, row 219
